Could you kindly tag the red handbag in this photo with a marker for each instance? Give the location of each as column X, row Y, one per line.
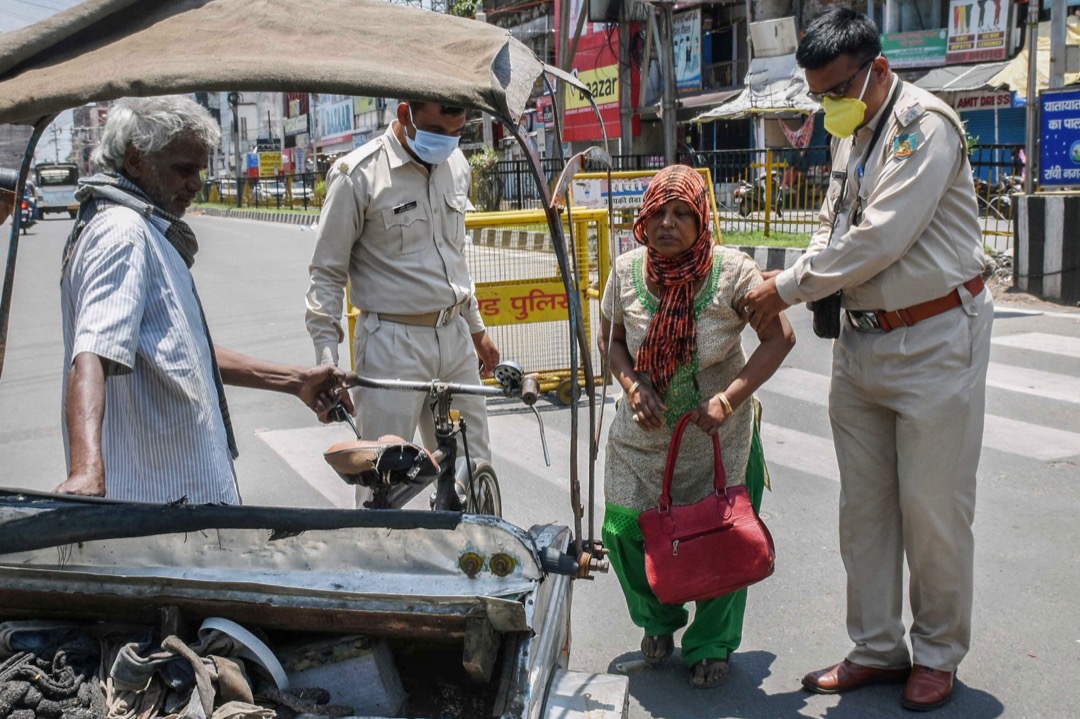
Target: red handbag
column 706, row 549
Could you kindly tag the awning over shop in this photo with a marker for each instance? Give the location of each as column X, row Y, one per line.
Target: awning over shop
column 960, row 78
column 709, row 99
column 775, row 87
column 1014, row 74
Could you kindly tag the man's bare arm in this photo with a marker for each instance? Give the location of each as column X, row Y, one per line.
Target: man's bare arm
column 84, row 411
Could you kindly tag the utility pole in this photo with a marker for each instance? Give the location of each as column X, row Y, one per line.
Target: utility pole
column 626, row 128
column 667, row 73
column 56, row 142
column 1030, row 147
column 1058, row 31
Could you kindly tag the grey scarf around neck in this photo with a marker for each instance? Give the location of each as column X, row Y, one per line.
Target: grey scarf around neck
column 102, row 190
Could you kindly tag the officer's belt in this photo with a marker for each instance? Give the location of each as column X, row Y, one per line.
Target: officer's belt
column 426, row 319
column 882, row 321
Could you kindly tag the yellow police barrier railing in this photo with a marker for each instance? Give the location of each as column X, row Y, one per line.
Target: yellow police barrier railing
column 538, row 296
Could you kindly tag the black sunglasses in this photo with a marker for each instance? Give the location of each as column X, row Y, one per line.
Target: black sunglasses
column 840, row 89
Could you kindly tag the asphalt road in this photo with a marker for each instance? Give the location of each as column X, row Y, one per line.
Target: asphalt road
column 1025, row 656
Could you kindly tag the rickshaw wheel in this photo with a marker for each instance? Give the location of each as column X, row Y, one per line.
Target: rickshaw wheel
column 484, row 496
column 564, row 392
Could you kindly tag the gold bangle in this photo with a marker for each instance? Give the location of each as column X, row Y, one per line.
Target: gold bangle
column 633, row 388
column 725, row 403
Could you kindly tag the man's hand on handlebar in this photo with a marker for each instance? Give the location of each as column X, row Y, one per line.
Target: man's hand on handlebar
column 487, row 352
column 323, row 388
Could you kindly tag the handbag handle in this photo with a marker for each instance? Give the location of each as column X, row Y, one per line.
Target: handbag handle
column 719, row 475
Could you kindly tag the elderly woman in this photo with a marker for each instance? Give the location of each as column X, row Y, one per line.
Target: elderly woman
column 672, row 328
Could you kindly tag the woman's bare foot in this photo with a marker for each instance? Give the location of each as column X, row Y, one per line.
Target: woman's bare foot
column 658, row 647
column 708, row 673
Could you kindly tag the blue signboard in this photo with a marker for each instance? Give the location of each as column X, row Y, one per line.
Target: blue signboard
column 1060, row 155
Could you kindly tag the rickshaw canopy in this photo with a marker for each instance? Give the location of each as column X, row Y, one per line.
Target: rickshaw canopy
column 107, row 49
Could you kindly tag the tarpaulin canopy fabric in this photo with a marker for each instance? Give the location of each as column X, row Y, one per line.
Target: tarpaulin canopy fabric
column 106, row 49
column 1015, row 73
column 775, row 87
column 960, row 78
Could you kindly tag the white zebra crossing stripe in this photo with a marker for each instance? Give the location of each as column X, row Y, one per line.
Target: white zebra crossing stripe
column 1029, row 440
column 1051, row 385
column 799, row 451
column 1000, row 433
column 1042, row 342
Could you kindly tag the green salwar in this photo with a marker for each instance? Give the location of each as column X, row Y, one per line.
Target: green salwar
column 716, row 631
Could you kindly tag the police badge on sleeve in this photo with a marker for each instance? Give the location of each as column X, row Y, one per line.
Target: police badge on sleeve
column 904, row 146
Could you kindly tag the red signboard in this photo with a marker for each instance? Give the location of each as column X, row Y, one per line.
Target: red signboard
column 596, row 64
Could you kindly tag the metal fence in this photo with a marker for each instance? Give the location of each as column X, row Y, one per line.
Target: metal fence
column 773, row 193
column 300, row 191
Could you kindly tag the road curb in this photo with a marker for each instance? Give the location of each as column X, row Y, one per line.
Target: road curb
column 287, row 218
column 771, row 258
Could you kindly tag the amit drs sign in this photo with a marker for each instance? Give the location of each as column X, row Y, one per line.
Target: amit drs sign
column 1059, row 157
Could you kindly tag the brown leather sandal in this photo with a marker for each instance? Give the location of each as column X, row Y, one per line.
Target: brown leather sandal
column 656, row 648
column 709, row 673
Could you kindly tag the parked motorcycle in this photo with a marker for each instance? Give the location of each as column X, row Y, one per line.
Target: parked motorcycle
column 995, row 200
column 752, row 197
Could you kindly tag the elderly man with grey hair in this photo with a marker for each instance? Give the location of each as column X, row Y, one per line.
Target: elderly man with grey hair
column 144, row 405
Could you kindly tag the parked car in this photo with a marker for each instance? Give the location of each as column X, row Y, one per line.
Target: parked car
column 226, row 187
column 303, row 190
column 272, row 191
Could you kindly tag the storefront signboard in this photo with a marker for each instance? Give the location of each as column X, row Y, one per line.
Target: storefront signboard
column 989, row 100
column 978, row 30
column 1059, row 160
column 920, row 48
column 686, row 34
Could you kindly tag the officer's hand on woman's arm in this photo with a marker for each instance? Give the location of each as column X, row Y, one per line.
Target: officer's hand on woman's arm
column 84, row 411
column 487, row 352
column 763, row 304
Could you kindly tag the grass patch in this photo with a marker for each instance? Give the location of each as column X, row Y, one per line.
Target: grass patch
column 757, row 238
column 262, row 208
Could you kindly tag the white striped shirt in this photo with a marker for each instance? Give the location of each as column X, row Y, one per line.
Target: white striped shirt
column 128, row 297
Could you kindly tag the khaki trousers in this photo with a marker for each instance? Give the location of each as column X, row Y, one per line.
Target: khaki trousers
column 907, row 418
column 388, row 350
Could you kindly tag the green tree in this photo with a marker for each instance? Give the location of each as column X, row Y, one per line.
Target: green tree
column 466, row 8
column 487, row 185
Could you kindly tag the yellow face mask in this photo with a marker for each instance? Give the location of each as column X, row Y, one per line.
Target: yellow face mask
column 843, row 115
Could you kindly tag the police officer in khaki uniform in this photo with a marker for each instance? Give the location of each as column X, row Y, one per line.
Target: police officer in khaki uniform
column 393, row 226
column 899, row 238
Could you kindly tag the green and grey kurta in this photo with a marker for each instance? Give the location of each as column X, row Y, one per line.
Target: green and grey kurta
column 635, row 456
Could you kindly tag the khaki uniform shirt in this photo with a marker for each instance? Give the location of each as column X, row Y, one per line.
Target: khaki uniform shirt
column 396, row 232
column 907, row 230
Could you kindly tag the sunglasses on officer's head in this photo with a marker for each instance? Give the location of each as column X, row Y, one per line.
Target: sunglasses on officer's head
column 840, row 90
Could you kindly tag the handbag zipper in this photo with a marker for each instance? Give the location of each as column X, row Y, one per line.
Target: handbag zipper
column 695, row 535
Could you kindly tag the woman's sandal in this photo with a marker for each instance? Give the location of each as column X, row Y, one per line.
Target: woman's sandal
column 709, row 673
column 656, row 648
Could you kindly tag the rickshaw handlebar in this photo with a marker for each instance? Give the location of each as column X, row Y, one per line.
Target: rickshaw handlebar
column 433, row 387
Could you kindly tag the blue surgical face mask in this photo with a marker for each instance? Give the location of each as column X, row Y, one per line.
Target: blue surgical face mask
column 431, row 147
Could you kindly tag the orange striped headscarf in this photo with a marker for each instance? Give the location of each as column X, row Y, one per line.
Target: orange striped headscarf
column 672, row 335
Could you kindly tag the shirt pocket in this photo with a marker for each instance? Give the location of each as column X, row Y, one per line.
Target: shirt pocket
column 408, row 230
column 456, row 205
